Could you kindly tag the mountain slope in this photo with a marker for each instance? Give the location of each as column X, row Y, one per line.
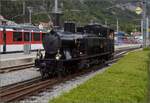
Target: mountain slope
column 80, row 11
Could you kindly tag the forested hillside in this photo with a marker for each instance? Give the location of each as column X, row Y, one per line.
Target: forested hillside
column 80, row 11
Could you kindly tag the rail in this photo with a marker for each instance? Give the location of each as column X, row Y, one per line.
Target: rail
column 15, row 93
column 17, row 67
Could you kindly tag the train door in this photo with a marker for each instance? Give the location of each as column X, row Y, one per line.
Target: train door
column 1, row 40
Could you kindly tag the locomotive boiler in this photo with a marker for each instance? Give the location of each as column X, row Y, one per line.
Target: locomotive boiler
column 75, row 48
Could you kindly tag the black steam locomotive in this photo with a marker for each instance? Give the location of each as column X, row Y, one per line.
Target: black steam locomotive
column 75, row 48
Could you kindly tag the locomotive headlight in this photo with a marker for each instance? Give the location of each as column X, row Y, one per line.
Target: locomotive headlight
column 58, row 56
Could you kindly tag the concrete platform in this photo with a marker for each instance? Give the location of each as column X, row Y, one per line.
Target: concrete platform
column 125, row 46
column 7, row 60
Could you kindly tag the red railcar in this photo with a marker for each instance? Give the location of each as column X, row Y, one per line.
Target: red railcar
column 14, row 38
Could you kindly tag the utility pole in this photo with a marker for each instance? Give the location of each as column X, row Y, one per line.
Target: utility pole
column 27, row 47
column 144, row 24
column 147, row 32
column 30, row 16
column 117, row 26
column 30, row 21
column 0, row 6
column 24, row 8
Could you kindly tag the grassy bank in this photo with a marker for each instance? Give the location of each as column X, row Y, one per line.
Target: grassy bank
column 124, row 82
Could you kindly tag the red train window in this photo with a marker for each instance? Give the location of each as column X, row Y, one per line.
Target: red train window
column 17, row 36
column 36, row 37
column 27, row 36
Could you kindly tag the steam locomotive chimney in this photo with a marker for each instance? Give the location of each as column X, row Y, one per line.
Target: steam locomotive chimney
column 56, row 6
column 56, row 15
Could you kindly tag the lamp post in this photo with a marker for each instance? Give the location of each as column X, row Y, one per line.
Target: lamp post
column 30, row 14
column 144, row 22
column 117, row 26
column 27, row 47
column 23, row 10
column 145, row 25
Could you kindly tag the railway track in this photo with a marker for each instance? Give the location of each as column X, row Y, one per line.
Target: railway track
column 22, row 90
column 19, row 92
column 19, row 84
column 17, row 67
column 31, row 64
column 11, row 94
